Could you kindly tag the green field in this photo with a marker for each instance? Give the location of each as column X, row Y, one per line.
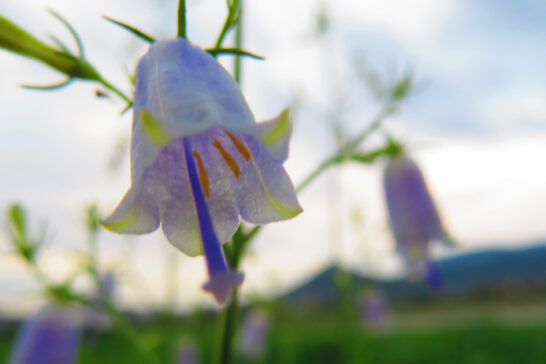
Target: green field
column 483, row 332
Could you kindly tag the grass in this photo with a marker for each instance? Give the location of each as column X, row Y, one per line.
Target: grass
column 334, row 336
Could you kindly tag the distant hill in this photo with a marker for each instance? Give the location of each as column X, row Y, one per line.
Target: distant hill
column 489, row 272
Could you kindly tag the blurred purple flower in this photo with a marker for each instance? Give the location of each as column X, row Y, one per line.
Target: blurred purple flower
column 414, row 219
column 199, row 160
column 187, row 353
column 375, row 310
column 96, row 318
column 51, row 336
column 254, row 334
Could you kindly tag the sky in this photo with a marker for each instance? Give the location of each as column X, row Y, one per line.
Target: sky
column 475, row 123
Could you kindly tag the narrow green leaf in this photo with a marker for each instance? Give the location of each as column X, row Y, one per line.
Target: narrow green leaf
column 17, row 218
column 236, row 51
column 48, row 87
column 71, row 30
column 59, row 43
column 402, row 88
column 232, row 19
column 139, row 33
column 127, row 107
column 92, row 219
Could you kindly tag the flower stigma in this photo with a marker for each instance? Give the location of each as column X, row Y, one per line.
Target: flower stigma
column 222, row 281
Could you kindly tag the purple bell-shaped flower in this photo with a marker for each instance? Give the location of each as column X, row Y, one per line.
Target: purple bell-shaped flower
column 51, row 336
column 199, row 161
column 254, row 332
column 414, row 219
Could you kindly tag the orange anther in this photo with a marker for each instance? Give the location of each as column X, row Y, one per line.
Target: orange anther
column 203, row 176
column 239, row 145
column 228, row 158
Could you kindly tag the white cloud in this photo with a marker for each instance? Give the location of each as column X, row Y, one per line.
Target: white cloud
column 520, row 109
column 415, row 22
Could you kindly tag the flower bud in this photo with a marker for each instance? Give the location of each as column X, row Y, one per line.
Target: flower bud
column 17, row 40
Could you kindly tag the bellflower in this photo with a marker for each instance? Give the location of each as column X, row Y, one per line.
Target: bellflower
column 375, row 310
column 414, row 219
column 199, row 161
column 187, row 353
column 96, row 317
column 51, row 336
column 254, row 334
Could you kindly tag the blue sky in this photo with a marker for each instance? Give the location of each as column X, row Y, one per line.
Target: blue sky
column 476, row 124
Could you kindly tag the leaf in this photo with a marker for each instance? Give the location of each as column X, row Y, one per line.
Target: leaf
column 71, row 30
column 92, row 219
column 237, row 51
column 139, row 33
column 17, row 218
column 402, row 88
column 48, row 87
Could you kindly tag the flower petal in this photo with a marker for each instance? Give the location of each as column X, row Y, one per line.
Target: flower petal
column 173, row 193
column 275, row 134
column 170, row 188
column 187, row 91
column 220, row 201
column 51, row 336
column 136, row 214
column 247, row 174
column 412, row 211
column 264, row 192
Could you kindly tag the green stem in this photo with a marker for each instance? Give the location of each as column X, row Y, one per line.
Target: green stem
column 229, row 319
column 228, row 325
column 182, row 19
column 113, row 88
column 232, row 11
column 238, row 44
column 40, row 276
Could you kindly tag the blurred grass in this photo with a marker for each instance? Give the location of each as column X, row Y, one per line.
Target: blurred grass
column 335, row 336
column 477, row 343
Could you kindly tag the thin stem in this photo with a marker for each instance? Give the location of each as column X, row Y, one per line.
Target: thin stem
column 232, row 11
column 113, row 88
column 228, row 325
column 39, row 274
column 182, row 18
column 230, row 312
column 238, row 44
